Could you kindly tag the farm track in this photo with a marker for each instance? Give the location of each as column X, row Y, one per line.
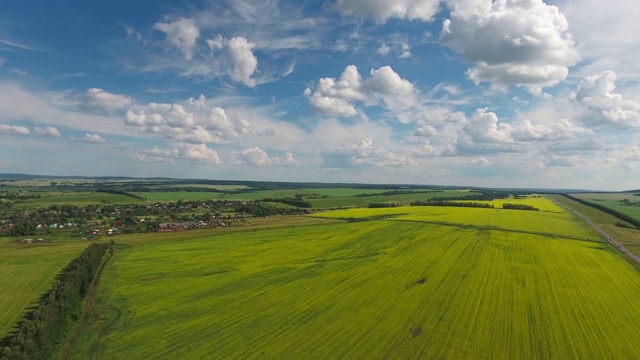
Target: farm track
column 91, row 314
column 600, row 231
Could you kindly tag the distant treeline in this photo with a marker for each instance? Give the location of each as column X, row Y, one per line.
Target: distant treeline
column 397, row 192
column 42, row 328
column 292, row 202
column 176, row 189
column 18, row 196
column 383, row 205
column 469, row 204
column 119, row 192
column 486, row 195
column 519, row 207
column 617, row 214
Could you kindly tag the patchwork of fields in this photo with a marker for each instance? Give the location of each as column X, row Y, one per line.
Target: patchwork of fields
column 431, row 282
column 553, row 221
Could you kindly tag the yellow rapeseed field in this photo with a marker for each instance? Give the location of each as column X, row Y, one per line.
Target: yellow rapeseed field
column 431, row 283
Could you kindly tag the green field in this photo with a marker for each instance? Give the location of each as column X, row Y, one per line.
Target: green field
column 336, row 197
column 612, row 201
column 630, row 238
column 553, row 222
column 28, row 271
column 76, row 198
column 166, row 196
column 467, row 284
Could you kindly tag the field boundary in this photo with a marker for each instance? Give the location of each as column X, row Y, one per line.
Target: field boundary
column 90, row 313
column 611, row 240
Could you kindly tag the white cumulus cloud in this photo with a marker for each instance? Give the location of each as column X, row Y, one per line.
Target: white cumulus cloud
column 383, row 49
column 179, row 151
column 193, row 120
column 483, row 127
column 602, row 106
column 425, row 131
column 363, row 154
column 237, row 59
column 337, row 97
column 511, row 42
column 94, row 138
column 13, row 130
column 181, row 33
column 48, row 131
column 427, row 150
column 480, row 162
column 100, row 101
column 405, row 51
column 526, row 130
column 256, row 156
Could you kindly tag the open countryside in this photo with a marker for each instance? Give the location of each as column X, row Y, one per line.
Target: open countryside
column 327, row 179
column 400, row 281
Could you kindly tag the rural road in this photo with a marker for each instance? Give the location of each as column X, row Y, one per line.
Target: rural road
column 606, row 236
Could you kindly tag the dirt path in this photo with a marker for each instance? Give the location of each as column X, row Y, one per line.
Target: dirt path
column 606, row 236
column 91, row 315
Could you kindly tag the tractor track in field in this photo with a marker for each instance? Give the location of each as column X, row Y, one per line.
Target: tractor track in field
column 611, row 240
column 90, row 313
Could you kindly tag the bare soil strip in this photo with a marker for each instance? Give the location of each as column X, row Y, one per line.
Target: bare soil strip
column 90, row 313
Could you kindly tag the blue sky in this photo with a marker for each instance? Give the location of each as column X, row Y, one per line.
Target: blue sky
column 509, row 93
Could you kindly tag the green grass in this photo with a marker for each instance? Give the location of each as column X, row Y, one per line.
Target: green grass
column 350, row 201
column 630, row 238
column 205, row 186
column 338, row 197
column 28, row 270
column 173, row 196
column 612, row 201
column 75, row 198
column 553, row 222
column 377, row 289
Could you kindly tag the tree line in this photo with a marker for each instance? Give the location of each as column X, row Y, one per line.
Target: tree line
column 292, row 202
column 119, row 192
column 617, row 214
column 383, row 205
column 468, row 204
column 519, row 207
column 40, row 330
column 397, row 192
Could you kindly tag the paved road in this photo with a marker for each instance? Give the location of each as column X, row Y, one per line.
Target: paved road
column 606, row 236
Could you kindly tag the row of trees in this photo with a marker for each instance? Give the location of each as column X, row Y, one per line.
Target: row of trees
column 292, row 202
column 519, row 207
column 619, row 215
column 469, row 204
column 485, row 195
column 262, row 209
column 397, row 192
column 42, row 328
column 383, row 205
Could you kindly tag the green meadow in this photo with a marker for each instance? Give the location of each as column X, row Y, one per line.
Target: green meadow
column 630, row 238
column 28, row 270
column 613, row 201
column 422, row 282
column 75, row 198
column 320, row 198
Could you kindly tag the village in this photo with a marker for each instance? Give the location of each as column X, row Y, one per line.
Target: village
column 94, row 221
